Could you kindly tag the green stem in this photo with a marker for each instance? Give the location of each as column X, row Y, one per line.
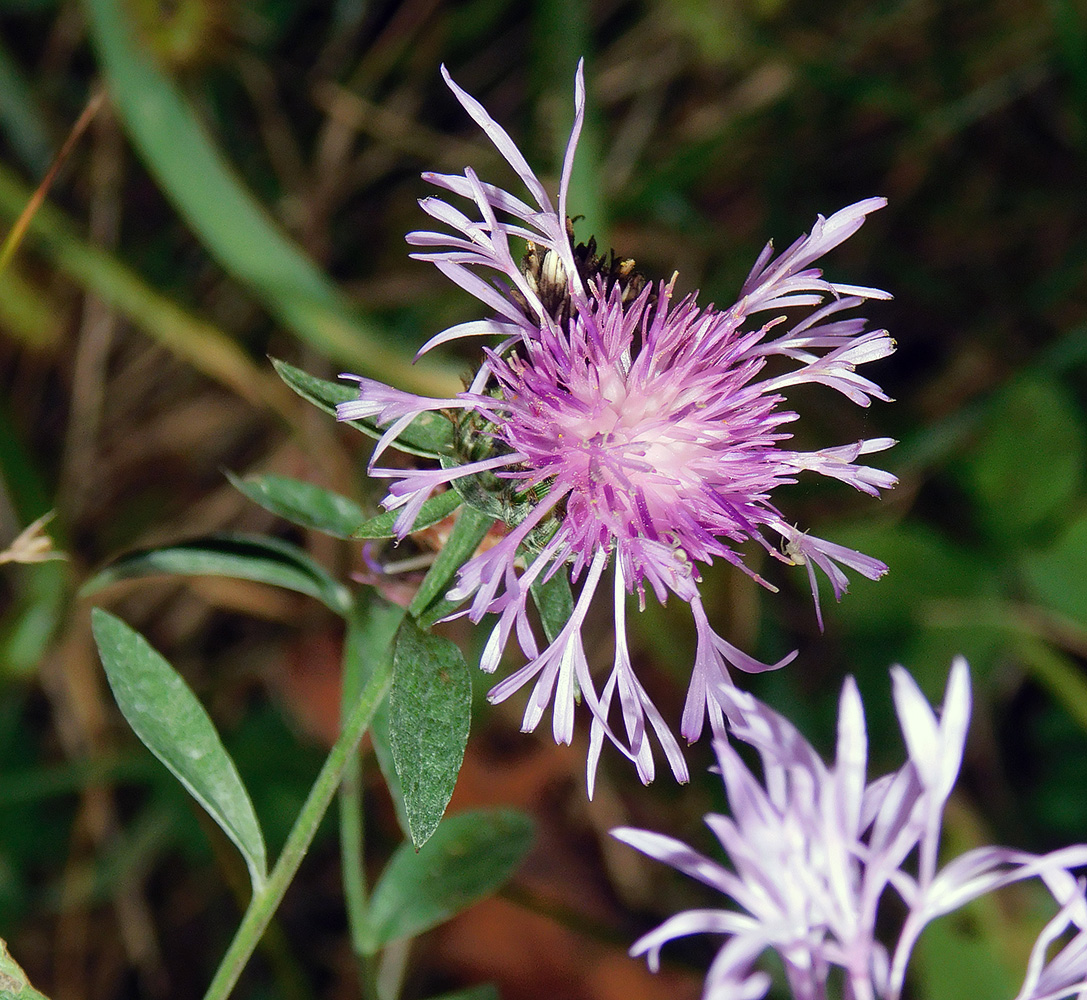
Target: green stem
column 356, row 651
column 264, row 904
column 351, row 850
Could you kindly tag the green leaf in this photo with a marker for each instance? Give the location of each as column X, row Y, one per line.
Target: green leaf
column 166, row 716
column 554, row 602
column 235, row 228
column 13, row 982
column 303, row 503
column 484, row 991
column 428, row 605
column 470, row 855
column 370, row 637
column 1028, row 463
column 430, row 709
column 244, row 557
column 429, row 435
column 1057, row 577
column 435, row 509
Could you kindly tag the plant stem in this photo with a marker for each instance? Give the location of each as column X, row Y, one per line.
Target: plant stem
column 264, row 904
column 359, row 650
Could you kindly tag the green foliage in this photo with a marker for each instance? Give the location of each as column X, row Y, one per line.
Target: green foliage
column 436, row 509
column 13, row 982
column 232, row 224
column 262, row 206
column 966, row 955
column 486, row 991
column 303, row 503
column 166, row 716
column 370, row 640
column 469, row 856
column 244, row 557
column 428, row 605
column 554, row 601
column 1057, row 576
column 429, row 435
column 1028, row 463
column 430, row 712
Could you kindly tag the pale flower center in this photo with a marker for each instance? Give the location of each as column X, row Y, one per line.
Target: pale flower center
column 626, row 441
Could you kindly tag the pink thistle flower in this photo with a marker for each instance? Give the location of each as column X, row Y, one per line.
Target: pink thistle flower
column 816, row 849
column 638, row 429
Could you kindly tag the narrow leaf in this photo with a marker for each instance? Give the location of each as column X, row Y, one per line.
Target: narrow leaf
column 303, row 503
column 244, row 557
column 166, row 716
column 429, row 435
column 430, row 709
column 435, row 509
column 471, row 528
column 484, row 991
column 554, row 602
column 470, row 855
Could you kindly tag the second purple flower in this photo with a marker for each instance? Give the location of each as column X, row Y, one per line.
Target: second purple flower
column 614, row 425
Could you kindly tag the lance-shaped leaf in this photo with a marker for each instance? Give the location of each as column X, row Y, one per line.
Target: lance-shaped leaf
column 303, row 503
column 170, row 721
column 429, row 604
column 434, row 510
column 244, row 557
column 470, row 855
column 430, row 710
column 429, row 435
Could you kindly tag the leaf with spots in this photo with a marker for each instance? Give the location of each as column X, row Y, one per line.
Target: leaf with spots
column 430, row 711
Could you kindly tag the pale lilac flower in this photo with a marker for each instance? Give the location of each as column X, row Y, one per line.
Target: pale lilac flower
column 815, row 850
column 632, row 429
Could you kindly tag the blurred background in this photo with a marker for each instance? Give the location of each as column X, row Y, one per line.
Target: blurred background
column 244, row 190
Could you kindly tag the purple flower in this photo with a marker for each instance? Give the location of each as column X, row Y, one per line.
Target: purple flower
column 815, row 850
column 622, row 426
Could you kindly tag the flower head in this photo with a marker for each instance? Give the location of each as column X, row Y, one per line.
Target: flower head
column 815, row 850
column 617, row 424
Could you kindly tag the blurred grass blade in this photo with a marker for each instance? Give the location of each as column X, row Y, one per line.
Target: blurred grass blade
column 303, row 503
column 29, row 312
column 21, row 117
column 229, row 221
column 1059, row 674
column 22, row 223
column 429, row 435
column 468, row 858
column 170, row 721
column 204, row 346
column 243, row 557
